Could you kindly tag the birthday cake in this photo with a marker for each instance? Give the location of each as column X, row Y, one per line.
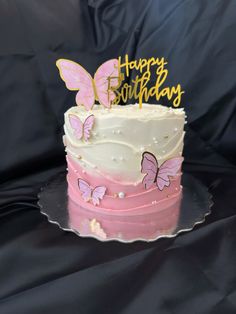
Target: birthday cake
column 124, row 169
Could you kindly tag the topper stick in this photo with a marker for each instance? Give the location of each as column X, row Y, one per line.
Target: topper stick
column 140, row 103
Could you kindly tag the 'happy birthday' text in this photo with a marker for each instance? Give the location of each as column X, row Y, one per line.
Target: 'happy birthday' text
column 138, row 89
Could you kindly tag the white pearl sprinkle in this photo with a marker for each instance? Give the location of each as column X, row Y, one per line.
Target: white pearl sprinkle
column 113, row 158
column 154, row 202
column 142, row 149
column 121, row 194
column 121, row 158
column 95, row 133
column 175, row 129
column 163, row 151
column 154, row 139
column 118, row 131
column 176, row 189
column 83, row 171
column 156, row 142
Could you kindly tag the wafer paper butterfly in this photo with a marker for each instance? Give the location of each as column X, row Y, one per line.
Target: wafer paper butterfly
column 101, row 88
column 158, row 175
column 90, row 194
column 81, row 130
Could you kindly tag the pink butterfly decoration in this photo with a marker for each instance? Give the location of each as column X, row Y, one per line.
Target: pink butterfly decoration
column 158, row 175
column 101, row 88
column 82, row 130
column 90, row 194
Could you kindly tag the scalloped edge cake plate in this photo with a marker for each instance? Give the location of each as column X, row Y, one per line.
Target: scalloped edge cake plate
column 196, row 204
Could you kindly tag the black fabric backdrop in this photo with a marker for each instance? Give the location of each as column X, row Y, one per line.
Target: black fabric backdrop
column 46, row 270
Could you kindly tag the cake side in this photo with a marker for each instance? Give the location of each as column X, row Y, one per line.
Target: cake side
column 124, row 174
column 119, row 137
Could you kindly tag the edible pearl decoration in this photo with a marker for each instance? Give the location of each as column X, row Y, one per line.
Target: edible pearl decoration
column 154, row 202
column 121, row 158
column 175, row 129
column 142, row 149
column 118, row 131
column 121, row 194
column 113, row 158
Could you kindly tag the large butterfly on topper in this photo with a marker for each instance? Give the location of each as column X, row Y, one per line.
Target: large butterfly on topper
column 101, row 88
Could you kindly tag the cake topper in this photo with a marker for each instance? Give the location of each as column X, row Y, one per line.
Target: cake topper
column 100, row 88
column 81, row 130
column 158, row 175
column 138, row 89
column 107, row 88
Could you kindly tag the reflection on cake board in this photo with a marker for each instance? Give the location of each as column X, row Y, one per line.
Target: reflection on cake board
column 195, row 206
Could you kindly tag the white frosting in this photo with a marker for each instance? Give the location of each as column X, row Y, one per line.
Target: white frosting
column 121, row 134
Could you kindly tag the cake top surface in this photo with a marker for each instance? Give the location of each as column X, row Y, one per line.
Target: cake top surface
column 131, row 111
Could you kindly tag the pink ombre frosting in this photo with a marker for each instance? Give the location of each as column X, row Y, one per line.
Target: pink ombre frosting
column 136, row 197
column 141, row 214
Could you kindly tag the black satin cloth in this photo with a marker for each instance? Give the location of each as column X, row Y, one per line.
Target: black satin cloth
column 44, row 270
